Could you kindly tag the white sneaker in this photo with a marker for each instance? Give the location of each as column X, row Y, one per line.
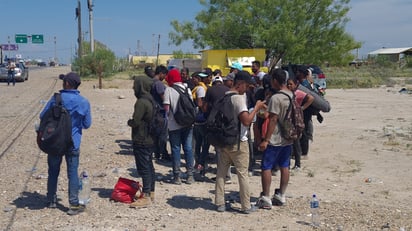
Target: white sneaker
column 279, row 199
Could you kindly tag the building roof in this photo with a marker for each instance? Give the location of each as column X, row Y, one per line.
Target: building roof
column 388, row 51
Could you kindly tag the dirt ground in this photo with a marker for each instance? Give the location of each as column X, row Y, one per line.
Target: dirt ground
column 367, row 135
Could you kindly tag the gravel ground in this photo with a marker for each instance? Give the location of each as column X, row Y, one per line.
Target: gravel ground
column 368, row 134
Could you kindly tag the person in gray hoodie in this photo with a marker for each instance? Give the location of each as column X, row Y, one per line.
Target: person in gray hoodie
column 142, row 141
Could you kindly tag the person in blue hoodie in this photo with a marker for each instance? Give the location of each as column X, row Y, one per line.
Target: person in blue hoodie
column 80, row 113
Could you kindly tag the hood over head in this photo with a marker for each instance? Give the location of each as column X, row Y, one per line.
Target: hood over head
column 173, row 77
column 142, row 86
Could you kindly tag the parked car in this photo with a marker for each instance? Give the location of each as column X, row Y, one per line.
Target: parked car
column 319, row 77
column 42, row 64
column 21, row 72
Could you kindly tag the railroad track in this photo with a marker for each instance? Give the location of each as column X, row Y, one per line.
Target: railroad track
column 20, row 108
column 18, row 123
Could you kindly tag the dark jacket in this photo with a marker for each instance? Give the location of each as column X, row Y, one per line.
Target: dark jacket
column 143, row 112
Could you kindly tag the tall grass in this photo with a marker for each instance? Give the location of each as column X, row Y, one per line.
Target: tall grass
column 367, row 76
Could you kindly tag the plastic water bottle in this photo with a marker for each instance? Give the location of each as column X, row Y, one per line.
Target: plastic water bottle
column 314, row 209
column 84, row 188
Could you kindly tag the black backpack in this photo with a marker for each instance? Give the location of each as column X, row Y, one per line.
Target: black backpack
column 185, row 113
column 158, row 122
column 222, row 125
column 55, row 131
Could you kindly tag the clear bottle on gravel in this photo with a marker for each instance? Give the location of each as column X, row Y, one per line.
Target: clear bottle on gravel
column 84, row 188
column 314, row 209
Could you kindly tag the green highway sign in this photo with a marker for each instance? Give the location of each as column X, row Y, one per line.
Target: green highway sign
column 37, row 38
column 21, row 38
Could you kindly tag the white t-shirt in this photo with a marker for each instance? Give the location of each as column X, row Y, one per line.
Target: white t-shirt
column 171, row 97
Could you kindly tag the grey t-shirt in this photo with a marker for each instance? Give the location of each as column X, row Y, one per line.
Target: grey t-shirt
column 278, row 104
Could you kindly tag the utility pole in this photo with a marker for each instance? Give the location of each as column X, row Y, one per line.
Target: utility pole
column 79, row 26
column 90, row 6
column 158, row 49
column 55, row 50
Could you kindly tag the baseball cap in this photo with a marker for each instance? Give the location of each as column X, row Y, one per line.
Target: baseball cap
column 217, row 78
column 230, row 76
column 148, row 69
column 72, row 77
column 245, row 76
column 237, row 65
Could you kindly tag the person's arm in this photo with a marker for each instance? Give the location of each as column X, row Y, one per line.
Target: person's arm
column 246, row 118
column 309, row 101
column 87, row 122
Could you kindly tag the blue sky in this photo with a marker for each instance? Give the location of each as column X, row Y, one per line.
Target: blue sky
column 134, row 25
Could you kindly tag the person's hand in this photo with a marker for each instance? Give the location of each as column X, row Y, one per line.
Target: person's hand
column 130, row 122
column 263, row 145
column 260, row 105
column 319, row 117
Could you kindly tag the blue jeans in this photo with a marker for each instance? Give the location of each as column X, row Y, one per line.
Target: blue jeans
column 10, row 77
column 144, row 165
column 54, row 162
column 182, row 137
column 201, row 144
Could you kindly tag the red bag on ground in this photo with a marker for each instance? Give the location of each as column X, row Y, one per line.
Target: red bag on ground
column 125, row 190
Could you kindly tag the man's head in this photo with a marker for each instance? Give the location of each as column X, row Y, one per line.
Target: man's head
column 302, row 73
column 199, row 77
column 236, row 67
column 255, row 66
column 71, row 80
column 228, row 80
column 217, row 80
column 242, row 81
column 161, row 71
column 184, row 72
column 173, row 77
column 148, row 70
column 278, row 78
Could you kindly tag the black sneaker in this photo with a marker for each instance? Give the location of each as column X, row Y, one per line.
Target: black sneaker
column 51, row 205
column 76, row 209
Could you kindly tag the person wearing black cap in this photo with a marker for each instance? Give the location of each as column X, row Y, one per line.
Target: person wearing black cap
column 237, row 154
column 79, row 109
column 148, row 70
column 157, row 91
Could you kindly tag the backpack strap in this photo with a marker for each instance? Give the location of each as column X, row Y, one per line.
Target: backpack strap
column 290, row 103
column 58, row 99
column 229, row 95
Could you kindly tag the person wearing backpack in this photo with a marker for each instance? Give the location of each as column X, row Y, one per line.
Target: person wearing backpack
column 237, row 151
column 80, row 113
column 142, row 139
column 157, row 91
column 180, row 134
column 276, row 149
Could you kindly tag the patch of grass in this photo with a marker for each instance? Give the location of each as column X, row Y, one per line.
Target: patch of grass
column 366, row 76
column 391, row 141
column 311, row 173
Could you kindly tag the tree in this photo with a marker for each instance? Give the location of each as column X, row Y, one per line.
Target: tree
column 299, row 31
column 102, row 60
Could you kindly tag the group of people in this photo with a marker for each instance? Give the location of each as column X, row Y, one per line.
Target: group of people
column 256, row 106
column 254, row 100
